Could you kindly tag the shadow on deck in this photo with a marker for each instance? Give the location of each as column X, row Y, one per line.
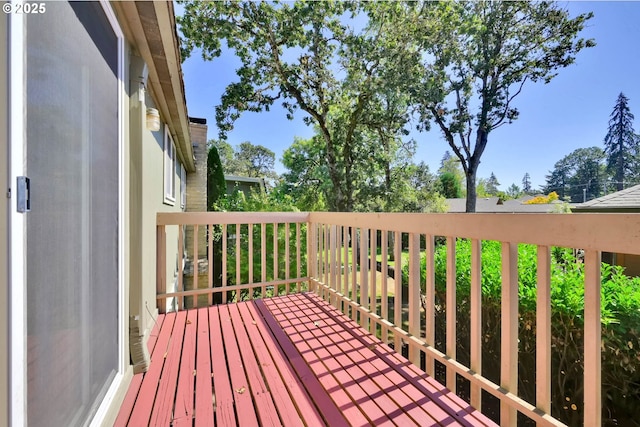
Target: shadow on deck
column 291, row 360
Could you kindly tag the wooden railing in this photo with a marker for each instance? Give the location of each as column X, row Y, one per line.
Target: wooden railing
column 339, row 263
column 234, row 240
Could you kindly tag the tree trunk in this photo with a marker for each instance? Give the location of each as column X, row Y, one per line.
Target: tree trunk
column 337, row 202
column 471, row 186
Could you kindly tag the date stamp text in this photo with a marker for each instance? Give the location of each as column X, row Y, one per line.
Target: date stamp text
column 24, row 8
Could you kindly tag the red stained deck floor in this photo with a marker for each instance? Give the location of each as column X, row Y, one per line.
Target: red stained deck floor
column 291, row 360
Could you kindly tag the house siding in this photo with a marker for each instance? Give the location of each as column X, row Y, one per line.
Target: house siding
column 147, row 168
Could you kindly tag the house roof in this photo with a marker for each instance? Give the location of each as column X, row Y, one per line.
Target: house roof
column 151, row 29
column 623, row 200
column 236, row 178
column 493, row 205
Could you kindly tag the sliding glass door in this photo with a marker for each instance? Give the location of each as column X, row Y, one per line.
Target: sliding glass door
column 72, row 139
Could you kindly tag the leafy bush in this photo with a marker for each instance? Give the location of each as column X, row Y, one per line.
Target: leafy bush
column 620, row 304
column 541, row 200
column 274, row 201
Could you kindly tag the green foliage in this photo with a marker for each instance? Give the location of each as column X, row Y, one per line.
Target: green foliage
column 542, row 200
column 450, row 186
column 307, row 56
column 274, row 201
column 582, row 169
column 514, row 192
column 620, row 305
column 247, row 159
column 216, row 185
column 466, row 61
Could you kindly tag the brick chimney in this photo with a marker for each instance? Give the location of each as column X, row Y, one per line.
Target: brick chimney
column 197, row 185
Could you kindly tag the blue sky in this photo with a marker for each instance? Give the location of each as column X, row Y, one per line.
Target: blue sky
column 570, row 112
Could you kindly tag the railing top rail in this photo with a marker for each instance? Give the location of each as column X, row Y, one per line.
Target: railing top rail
column 203, row 218
column 615, row 232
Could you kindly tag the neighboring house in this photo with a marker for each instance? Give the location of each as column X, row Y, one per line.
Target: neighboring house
column 244, row 184
column 78, row 239
column 495, row 205
column 624, row 201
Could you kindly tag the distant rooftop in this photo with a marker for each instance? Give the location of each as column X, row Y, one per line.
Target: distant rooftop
column 493, row 205
column 627, row 199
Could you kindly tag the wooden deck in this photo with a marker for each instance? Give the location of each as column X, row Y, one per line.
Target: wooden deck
column 291, row 360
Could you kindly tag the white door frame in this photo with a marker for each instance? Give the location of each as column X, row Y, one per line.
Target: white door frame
column 17, row 221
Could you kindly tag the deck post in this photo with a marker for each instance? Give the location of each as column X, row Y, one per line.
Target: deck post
column 543, row 331
column 430, row 301
column 592, row 339
column 161, row 267
column 476, row 319
column 312, row 247
column 451, row 309
column 509, row 336
column 414, row 294
column 364, row 278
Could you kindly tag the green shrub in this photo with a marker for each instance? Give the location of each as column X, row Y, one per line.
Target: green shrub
column 620, row 304
column 258, row 201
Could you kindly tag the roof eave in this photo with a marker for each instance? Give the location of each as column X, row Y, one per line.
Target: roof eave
column 151, row 26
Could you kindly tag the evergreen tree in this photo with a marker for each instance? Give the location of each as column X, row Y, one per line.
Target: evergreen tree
column 514, row 191
column 450, row 185
column 216, row 190
column 526, row 184
column 621, row 142
column 580, row 175
column 492, row 185
column 216, row 185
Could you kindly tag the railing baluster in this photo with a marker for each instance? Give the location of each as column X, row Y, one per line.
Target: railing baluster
column 298, row 255
column 592, row 339
column 320, row 255
column 476, row 319
column 327, row 270
column 224, row 263
column 384, row 298
column 250, row 254
column 209, row 232
column 275, row 257
column 312, row 254
column 345, row 264
column 364, row 279
column 397, row 290
column 543, row 331
column 430, row 300
column 451, row 307
column 414, row 294
column 332, row 266
column 373, row 268
column 195, row 263
column 355, row 246
column 239, row 258
column 339, row 283
column 263, row 260
column 287, row 261
column 509, row 331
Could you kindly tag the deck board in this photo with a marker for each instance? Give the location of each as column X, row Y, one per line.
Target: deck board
column 183, row 409
column 291, row 360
